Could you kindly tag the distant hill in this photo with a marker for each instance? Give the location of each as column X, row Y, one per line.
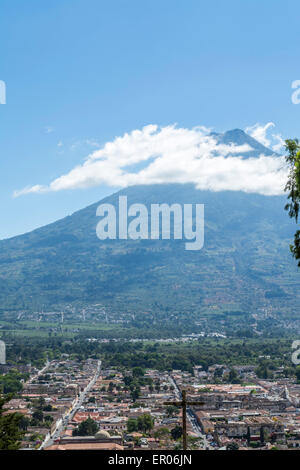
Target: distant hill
column 244, row 268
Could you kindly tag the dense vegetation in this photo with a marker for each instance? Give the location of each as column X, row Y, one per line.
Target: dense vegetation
column 293, row 189
column 263, row 352
column 10, row 430
column 87, row 428
column 11, row 382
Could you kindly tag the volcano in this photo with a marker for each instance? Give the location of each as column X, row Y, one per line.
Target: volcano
column 244, row 268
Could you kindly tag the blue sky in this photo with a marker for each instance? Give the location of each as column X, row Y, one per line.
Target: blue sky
column 80, row 73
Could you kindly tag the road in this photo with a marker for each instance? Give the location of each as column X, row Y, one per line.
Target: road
column 40, row 372
column 78, row 403
column 191, row 417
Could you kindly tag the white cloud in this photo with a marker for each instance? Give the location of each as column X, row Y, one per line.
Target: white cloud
column 173, row 155
column 261, row 134
column 30, row 189
column 278, row 147
column 92, row 143
column 84, row 143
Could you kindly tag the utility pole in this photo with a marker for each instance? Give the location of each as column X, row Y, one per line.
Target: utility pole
column 183, row 404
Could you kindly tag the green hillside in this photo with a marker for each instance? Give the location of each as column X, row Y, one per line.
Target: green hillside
column 244, row 267
column 244, row 275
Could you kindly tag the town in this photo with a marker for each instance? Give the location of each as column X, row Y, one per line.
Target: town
column 86, row 405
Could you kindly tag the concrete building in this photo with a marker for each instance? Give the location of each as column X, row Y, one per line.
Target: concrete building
column 2, row 353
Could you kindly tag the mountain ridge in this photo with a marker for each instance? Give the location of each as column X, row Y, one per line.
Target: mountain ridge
column 244, row 269
column 240, row 137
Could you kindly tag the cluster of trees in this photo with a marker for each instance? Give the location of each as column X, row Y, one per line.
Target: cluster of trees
column 144, row 423
column 14, row 425
column 171, row 411
column 135, row 382
column 233, row 377
column 205, row 352
column 10, row 430
column 39, row 417
column 176, row 432
column 298, row 374
column 293, row 189
column 11, row 382
column 89, row 427
column 139, row 356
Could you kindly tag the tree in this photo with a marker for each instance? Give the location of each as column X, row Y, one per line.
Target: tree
column 132, row 425
column 145, row 422
column 38, row 416
column 24, row 423
column 233, row 377
column 10, row 433
column 263, row 372
column 135, row 393
column 161, row 433
column 47, row 408
column 171, row 411
column 10, row 383
column 41, row 403
column 298, row 374
column 138, row 372
column 293, row 189
column 232, row 446
column 176, row 432
column 87, row 428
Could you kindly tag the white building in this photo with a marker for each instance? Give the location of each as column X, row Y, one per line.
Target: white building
column 2, row 353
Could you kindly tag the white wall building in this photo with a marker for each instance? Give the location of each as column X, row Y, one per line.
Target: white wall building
column 2, row 353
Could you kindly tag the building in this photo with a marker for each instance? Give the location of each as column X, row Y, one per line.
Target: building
column 101, row 441
column 2, row 353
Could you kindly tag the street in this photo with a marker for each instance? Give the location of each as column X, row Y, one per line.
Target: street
column 191, row 417
column 78, row 403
